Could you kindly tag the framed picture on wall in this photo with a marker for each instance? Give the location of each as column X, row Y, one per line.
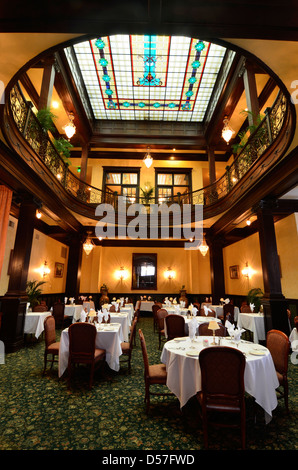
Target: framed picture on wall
column 59, row 269
column 234, row 272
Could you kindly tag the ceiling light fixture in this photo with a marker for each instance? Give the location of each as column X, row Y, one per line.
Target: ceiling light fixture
column 203, row 248
column 70, row 128
column 88, row 245
column 38, row 214
column 227, row 132
column 148, row 159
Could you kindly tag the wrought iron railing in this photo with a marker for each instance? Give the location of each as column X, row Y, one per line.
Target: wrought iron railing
column 264, row 135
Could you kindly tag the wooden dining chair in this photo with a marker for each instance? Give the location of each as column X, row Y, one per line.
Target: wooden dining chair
column 127, row 347
column 279, row 346
column 51, row 344
column 58, row 313
column 228, row 313
column 82, row 348
column 222, row 391
column 161, row 314
column 175, row 326
column 155, row 309
column 155, row 374
column 205, row 331
column 112, row 308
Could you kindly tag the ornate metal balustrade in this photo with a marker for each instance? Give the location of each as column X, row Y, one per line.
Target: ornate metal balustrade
column 264, row 136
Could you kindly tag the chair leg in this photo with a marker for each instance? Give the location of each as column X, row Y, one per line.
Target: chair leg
column 286, row 396
column 45, row 363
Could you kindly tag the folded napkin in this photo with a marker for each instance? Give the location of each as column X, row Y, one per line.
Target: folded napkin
column 252, row 307
column 206, row 310
column 117, row 307
column 227, row 301
column 194, row 311
column 192, row 327
column 65, row 300
column 83, row 315
column 71, row 299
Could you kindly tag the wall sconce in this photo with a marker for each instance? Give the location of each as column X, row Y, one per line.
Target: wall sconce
column 88, row 245
column 38, row 214
column 227, row 132
column 121, row 274
column 170, row 274
column 70, row 128
column 247, row 271
column 148, row 159
column 45, row 270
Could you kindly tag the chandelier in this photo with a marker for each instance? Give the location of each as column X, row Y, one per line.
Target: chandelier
column 203, row 248
column 148, row 159
column 227, row 132
column 70, row 128
column 88, row 245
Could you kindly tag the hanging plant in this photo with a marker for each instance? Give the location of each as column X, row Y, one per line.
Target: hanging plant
column 46, row 119
column 63, row 147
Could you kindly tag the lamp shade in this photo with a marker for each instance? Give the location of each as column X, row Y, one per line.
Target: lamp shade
column 213, row 325
column 148, row 159
column 88, row 246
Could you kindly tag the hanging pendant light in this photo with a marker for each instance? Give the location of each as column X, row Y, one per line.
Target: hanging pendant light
column 70, row 128
column 204, row 248
column 148, row 159
column 227, row 132
column 88, row 244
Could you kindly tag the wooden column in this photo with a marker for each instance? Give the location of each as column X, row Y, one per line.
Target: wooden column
column 251, row 93
column 274, row 303
column 13, row 303
column 47, row 86
column 72, row 288
column 84, row 162
column 211, row 160
column 216, row 269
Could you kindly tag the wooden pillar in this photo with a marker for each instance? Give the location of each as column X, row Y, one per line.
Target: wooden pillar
column 274, row 303
column 211, row 160
column 251, row 93
column 216, row 269
column 84, row 162
column 13, row 303
column 47, row 86
column 72, row 288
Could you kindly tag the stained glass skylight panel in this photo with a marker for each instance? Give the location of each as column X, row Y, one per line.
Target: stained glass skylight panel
column 149, row 77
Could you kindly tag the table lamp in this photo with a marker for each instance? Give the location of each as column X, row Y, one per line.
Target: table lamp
column 213, row 325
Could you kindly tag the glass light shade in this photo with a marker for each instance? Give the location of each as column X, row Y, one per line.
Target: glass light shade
column 170, row 274
column 148, row 160
column 70, row 128
column 121, row 274
column 88, row 246
column 203, row 248
column 45, row 269
column 227, row 132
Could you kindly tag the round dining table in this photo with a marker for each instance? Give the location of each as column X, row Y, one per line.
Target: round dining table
column 181, row 357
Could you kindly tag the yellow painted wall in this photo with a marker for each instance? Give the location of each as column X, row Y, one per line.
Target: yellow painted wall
column 287, row 246
column 192, row 270
column 47, row 249
column 11, row 234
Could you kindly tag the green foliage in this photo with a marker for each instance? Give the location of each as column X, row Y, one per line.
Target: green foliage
column 244, row 135
column 46, row 118
column 63, row 147
column 147, row 193
column 255, row 297
column 34, row 292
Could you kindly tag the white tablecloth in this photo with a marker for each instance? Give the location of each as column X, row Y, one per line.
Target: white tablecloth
column 34, row 322
column 146, row 306
column 108, row 337
column 253, row 322
column 130, row 311
column 181, row 311
column 184, row 374
column 219, row 311
column 73, row 311
column 88, row 305
column 123, row 319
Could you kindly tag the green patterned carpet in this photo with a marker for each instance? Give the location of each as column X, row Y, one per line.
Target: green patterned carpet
column 40, row 413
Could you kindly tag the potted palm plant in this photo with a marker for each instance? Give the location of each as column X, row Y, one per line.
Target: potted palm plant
column 34, row 292
column 255, row 297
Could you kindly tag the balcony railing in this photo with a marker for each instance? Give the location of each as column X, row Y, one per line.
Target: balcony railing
column 262, row 138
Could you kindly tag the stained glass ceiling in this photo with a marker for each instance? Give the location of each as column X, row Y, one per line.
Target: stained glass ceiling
column 163, row 78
